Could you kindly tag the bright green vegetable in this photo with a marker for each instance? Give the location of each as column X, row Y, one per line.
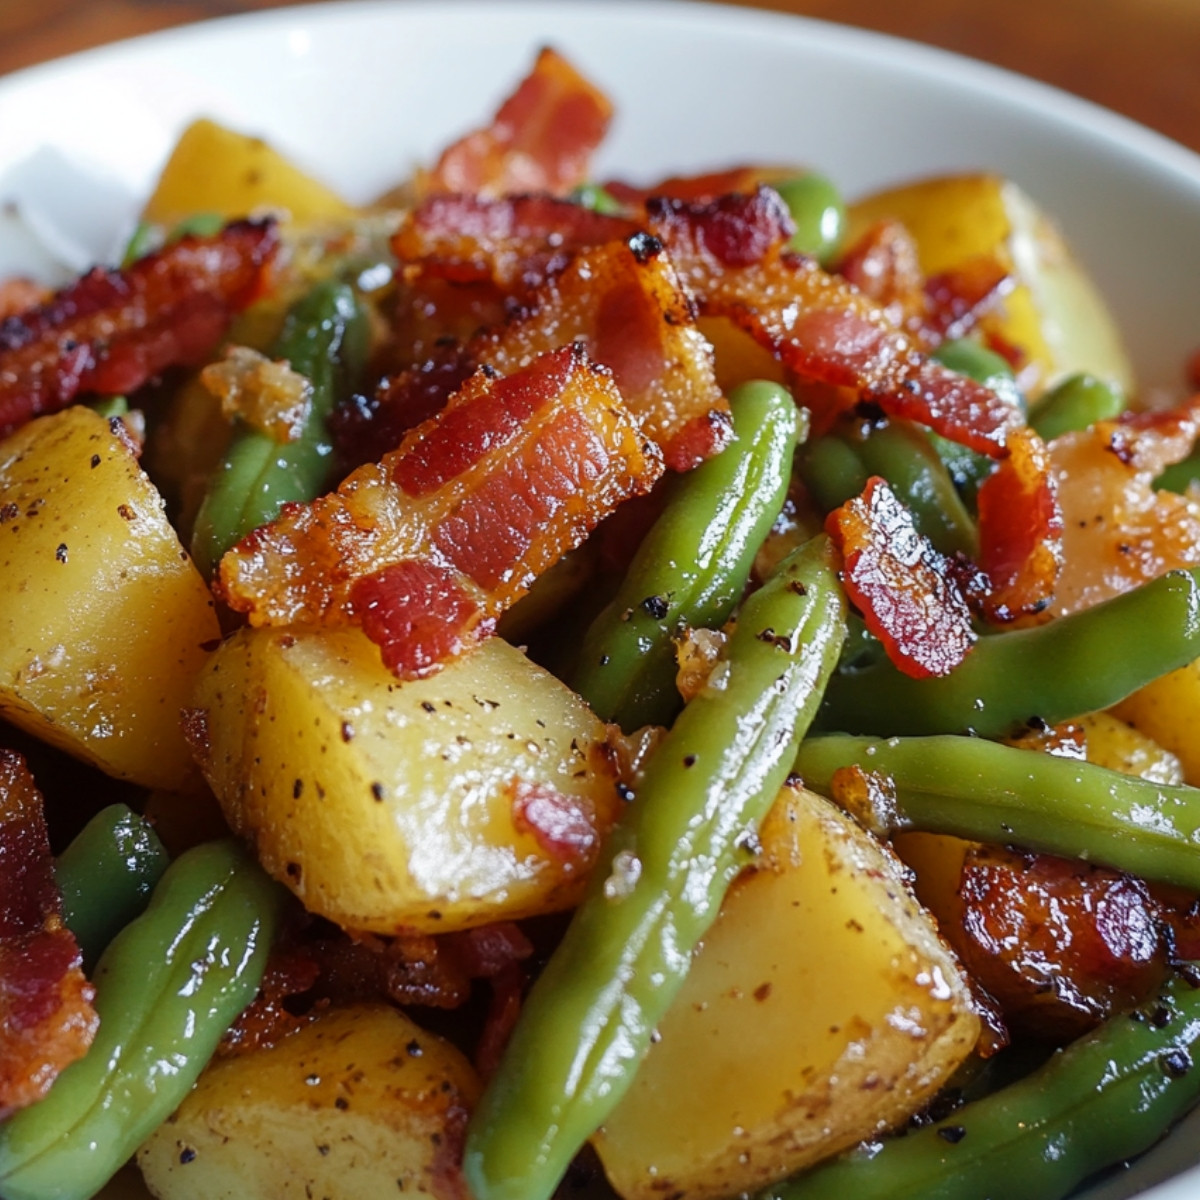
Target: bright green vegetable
column 836, row 467
column 665, row 869
column 597, row 198
column 167, row 988
column 149, row 237
column 819, row 214
column 693, row 565
column 1103, row 1099
column 106, row 876
column 990, row 792
column 1072, row 665
column 1077, row 402
column 325, row 339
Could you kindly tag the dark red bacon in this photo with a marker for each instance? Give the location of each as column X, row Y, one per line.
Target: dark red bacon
column 563, row 826
column 905, row 590
column 428, row 547
column 1020, row 531
column 732, row 254
column 112, row 331
column 540, row 140
column 46, row 1015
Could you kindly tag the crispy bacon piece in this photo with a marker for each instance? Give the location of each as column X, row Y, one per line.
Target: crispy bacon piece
column 903, row 587
column 18, row 294
column 698, row 189
column 564, row 826
column 624, row 303
column 112, row 331
column 1020, row 531
column 428, row 547
column 46, row 1015
column 540, row 140
column 732, row 254
column 1059, row 945
column 1118, row 531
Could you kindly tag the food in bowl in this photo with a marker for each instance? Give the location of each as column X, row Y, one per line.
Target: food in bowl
column 597, row 550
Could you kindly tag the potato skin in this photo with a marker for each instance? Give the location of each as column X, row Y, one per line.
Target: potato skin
column 388, row 806
column 821, row 1009
column 359, row 1104
column 103, row 617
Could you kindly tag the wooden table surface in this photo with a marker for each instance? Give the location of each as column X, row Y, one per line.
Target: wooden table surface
column 1140, row 57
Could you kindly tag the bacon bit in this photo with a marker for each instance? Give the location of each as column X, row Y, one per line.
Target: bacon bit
column 903, row 587
column 1118, row 531
column 504, row 1008
column 268, row 1019
column 18, row 295
column 46, row 1015
column 540, row 140
column 112, row 331
column 732, row 254
column 698, row 654
column 487, row 950
column 699, row 189
column 563, row 826
column 1020, row 531
column 429, row 573
column 268, row 396
column 1060, row 945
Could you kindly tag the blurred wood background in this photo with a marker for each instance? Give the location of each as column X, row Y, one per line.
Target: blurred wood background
column 1139, row 57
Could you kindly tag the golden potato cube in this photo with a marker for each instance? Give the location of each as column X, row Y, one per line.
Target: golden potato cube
column 1166, row 711
column 361, row 1103
column 821, row 1009
column 213, row 169
column 386, row 805
column 103, row 617
column 1055, row 314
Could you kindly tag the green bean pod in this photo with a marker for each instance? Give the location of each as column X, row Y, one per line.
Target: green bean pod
column 1102, row 1099
column 1072, row 665
column 106, row 876
column 324, row 338
column 990, row 792
column 693, row 565
column 665, row 868
column 836, row 467
column 1075, row 403
column 167, row 988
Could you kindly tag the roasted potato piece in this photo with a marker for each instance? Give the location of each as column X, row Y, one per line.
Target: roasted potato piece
column 1055, row 314
column 387, row 805
column 1166, row 711
column 359, row 1104
column 821, row 1009
column 103, row 617
column 217, row 170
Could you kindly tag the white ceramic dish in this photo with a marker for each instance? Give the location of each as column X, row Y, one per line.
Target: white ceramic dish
column 361, row 89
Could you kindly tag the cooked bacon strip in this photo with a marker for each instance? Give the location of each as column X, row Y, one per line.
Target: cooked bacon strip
column 1020, row 531
column 428, row 547
column 19, row 294
column 903, row 587
column 732, row 254
column 624, row 303
column 540, row 140
column 699, row 189
column 112, row 331
column 46, row 1015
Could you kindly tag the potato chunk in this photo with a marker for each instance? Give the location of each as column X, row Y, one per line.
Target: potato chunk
column 820, row 1010
column 436, row 804
column 103, row 617
column 1055, row 313
column 360, row 1104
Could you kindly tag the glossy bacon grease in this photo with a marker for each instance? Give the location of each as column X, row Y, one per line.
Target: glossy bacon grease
column 46, row 1015
column 114, row 330
column 427, row 548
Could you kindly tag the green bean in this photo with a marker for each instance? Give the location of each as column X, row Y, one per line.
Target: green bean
column 1076, row 403
column 1102, row 1099
column 693, row 565
column 664, row 872
column 1180, row 476
column 106, row 876
column 109, row 407
column 597, row 198
column 818, row 212
column 324, row 338
column 1070, row 666
column 990, row 792
column 167, row 988
column 148, row 237
column 836, row 467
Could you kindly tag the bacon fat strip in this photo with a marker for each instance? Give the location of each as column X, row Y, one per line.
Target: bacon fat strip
column 46, row 1015
column 428, row 547
column 541, row 138
column 112, row 331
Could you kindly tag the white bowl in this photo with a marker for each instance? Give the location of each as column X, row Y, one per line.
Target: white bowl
column 360, row 90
